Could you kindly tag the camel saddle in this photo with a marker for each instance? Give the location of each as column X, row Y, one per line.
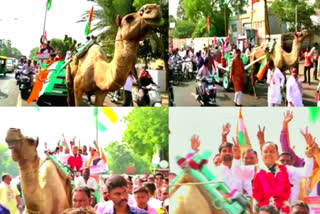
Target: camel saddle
column 64, row 171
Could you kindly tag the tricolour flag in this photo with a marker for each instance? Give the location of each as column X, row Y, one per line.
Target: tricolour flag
column 88, row 26
column 262, row 70
column 49, row 4
column 242, row 133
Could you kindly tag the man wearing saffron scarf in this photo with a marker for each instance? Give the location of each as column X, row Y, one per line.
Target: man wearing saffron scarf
column 271, row 181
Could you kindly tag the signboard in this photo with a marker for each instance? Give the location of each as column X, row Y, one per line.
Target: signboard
column 314, row 204
column 99, row 169
column 43, row 55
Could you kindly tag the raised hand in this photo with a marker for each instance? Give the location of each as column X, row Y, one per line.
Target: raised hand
column 308, row 137
column 288, row 116
column 195, row 142
column 236, row 148
column 226, row 129
column 260, row 136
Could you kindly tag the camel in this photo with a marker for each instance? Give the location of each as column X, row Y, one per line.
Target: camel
column 45, row 190
column 196, row 181
column 281, row 58
column 92, row 74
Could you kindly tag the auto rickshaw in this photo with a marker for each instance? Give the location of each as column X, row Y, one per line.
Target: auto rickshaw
column 3, row 63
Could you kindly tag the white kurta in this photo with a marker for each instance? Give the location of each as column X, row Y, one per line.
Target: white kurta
column 294, row 92
column 91, row 183
column 275, row 79
column 295, row 175
column 226, row 175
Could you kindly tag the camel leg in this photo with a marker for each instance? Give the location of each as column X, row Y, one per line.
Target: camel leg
column 100, row 96
column 78, row 93
column 69, row 81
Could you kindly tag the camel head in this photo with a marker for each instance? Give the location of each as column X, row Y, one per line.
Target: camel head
column 300, row 36
column 136, row 26
column 22, row 148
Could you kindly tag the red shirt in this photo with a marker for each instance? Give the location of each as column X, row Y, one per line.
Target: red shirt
column 308, row 58
column 145, row 74
column 75, row 162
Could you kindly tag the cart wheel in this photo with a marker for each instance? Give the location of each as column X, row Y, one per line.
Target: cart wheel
column 226, row 82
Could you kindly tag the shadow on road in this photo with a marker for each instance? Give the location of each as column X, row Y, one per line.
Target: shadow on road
column 3, row 95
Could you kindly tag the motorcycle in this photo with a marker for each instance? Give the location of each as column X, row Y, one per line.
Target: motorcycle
column 177, row 72
column 208, row 98
column 188, row 69
column 17, row 72
column 24, row 83
column 153, row 95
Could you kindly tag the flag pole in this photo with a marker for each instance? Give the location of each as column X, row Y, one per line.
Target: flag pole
column 45, row 19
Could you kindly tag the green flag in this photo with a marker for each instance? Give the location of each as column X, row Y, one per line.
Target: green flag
column 49, row 4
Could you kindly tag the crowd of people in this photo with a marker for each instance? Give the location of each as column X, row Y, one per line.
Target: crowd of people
column 277, row 178
column 280, row 88
column 124, row 193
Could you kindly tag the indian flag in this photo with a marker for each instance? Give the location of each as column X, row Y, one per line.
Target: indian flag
column 89, row 24
column 49, row 2
column 262, row 70
column 242, row 133
column 43, row 83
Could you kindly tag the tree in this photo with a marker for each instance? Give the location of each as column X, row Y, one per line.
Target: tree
column 197, row 12
column 286, row 11
column 147, row 130
column 33, row 53
column 120, row 156
column 184, row 28
column 6, row 49
column 7, row 164
column 63, row 45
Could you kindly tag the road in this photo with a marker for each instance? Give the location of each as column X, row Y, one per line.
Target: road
column 184, row 94
column 10, row 94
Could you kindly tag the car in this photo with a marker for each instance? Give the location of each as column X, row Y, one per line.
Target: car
column 10, row 65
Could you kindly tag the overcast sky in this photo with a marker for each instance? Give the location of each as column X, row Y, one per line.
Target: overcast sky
column 207, row 122
column 49, row 123
column 22, row 21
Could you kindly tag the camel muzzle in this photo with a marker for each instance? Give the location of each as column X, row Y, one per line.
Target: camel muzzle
column 13, row 138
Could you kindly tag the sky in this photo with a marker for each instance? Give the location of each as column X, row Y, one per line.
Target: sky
column 208, row 122
column 50, row 123
column 22, row 21
column 173, row 6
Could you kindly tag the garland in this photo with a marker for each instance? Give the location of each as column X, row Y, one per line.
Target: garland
column 272, row 189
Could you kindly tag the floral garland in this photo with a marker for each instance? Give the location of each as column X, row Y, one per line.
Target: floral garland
column 272, row 189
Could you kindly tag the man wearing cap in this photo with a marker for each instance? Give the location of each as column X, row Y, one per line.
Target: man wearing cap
column 9, row 195
column 141, row 194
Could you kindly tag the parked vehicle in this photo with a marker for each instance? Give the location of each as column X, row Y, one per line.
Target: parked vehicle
column 3, row 65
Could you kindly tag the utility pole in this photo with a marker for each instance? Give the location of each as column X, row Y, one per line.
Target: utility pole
column 296, row 19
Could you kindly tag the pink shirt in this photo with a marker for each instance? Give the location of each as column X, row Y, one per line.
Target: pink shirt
column 308, row 58
column 152, row 210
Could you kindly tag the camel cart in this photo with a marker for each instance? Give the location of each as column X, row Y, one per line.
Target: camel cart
column 197, row 181
column 54, row 91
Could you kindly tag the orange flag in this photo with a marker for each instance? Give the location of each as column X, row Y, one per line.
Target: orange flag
column 103, row 156
column 38, row 85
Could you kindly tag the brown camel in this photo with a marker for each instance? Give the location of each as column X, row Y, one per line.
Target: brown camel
column 45, row 190
column 92, row 74
column 281, row 58
column 182, row 198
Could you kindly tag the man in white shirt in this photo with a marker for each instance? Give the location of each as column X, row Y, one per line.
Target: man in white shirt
column 128, row 90
column 86, row 180
column 294, row 90
column 275, row 82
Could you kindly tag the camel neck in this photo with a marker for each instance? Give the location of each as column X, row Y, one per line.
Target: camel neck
column 292, row 57
column 124, row 55
column 29, row 171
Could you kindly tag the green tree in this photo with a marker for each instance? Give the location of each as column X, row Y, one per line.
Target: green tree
column 6, row 49
column 197, row 12
column 7, row 164
column 63, row 45
column 33, row 53
column 147, row 130
column 286, row 10
column 184, row 29
column 120, row 156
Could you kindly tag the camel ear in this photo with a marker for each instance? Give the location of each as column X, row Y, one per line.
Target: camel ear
column 118, row 20
column 295, row 34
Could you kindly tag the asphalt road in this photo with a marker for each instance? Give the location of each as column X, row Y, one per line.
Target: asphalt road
column 184, row 94
column 10, row 95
